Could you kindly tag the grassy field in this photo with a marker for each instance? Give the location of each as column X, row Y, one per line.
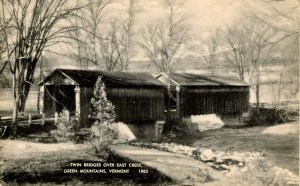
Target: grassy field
column 6, row 101
column 30, row 163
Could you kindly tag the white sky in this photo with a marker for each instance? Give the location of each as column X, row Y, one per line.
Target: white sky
column 203, row 15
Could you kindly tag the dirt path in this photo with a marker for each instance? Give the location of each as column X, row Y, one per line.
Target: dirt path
column 180, row 168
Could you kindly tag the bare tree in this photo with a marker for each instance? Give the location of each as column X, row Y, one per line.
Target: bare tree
column 247, row 43
column 152, row 44
column 35, row 26
column 87, row 37
column 236, row 49
column 3, row 27
column 283, row 18
column 5, row 30
column 212, row 45
column 96, row 10
column 127, row 38
column 258, row 35
column 164, row 43
column 111, row 48
column 116, row 45
column 283, row 80
column 101, row 40
column 250, row 41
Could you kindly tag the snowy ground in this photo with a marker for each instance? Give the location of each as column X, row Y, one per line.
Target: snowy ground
column 277, row 149
column 283, row 129
column 249, row 156
column 18, row 149
column 282, row 150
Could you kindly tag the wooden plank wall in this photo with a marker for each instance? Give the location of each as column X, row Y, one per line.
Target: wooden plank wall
column 137, row 104
column 131, row 104
column 195, row 102
column 86, row 95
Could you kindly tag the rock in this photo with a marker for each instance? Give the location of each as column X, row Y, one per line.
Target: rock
column 207, row 155
column 219, row 161
column 244, row 169
column 204, row 176
column 233, row 171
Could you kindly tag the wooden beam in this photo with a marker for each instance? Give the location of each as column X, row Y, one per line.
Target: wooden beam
column 178, row 109
column 41, row 100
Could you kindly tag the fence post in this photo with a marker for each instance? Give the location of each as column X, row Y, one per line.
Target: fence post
column 43, row 118
column 56, row 118
column 68, row 116
column 29, row 118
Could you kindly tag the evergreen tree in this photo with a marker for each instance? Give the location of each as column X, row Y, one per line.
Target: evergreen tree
column 102, row 109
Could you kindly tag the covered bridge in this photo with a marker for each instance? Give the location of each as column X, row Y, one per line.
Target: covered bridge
column 136, row 96
column 194, row 94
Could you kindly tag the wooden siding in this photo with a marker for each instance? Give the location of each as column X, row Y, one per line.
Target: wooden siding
column 131, row 104
column 221, row 101
column 86, row 95
column 137, row 104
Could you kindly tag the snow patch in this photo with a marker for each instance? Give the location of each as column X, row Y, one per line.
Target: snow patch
column 124, row 132
column 206, row 122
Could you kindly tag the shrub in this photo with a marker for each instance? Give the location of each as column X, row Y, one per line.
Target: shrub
column 271, row 116
column 102, row 109
column 103, row 134
column 64, row 131
column 254, row 118
column 103, row 112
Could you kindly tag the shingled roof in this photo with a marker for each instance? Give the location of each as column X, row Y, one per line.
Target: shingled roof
column 88, row 78
column 188, row 79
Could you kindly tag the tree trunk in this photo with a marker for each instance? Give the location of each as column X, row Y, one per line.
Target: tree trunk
column 15, row 119
column 257, row 97
column 39, row 90
column 15, row 110
column 25, row 86
column 257, row 89
column 22, row 79
column 23, row 97
column 168, row 114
